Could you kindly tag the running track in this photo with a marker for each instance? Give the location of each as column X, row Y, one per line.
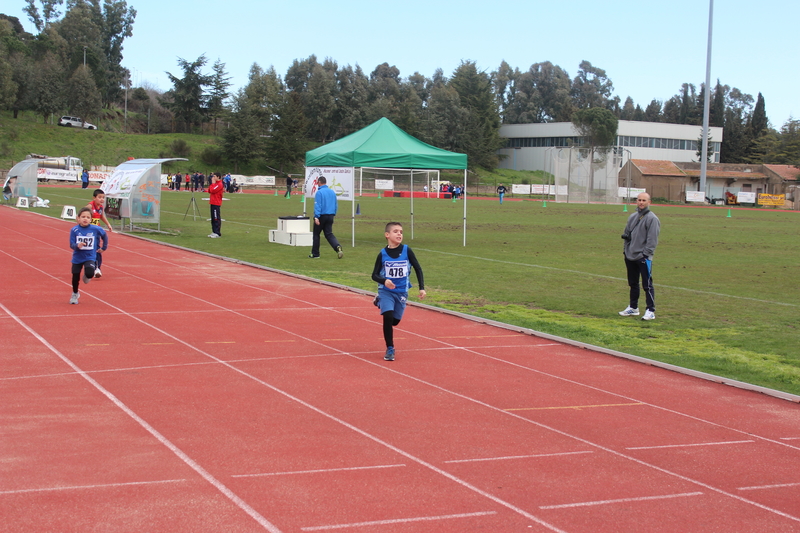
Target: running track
column 186, row 393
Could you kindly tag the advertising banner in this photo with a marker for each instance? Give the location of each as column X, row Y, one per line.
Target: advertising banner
column 695, row 196
column 339, row 179
column 772, row 199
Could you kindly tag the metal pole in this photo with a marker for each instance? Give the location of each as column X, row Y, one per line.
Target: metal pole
column 707, row 100
column 465, row 207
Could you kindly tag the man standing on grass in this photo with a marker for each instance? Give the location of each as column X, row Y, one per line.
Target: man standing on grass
column 641, row 238
column 215, row 200
column 325, row 206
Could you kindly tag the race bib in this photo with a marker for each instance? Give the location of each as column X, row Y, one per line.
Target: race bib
column 396, row 269
column 86, row 240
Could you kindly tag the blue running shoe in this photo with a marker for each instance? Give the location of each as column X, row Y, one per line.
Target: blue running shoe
column 389, row 354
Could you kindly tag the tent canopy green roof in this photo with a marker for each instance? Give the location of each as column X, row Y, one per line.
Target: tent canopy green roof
column 383, row 145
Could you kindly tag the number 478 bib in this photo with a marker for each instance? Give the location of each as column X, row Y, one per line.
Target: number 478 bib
column 395, row 269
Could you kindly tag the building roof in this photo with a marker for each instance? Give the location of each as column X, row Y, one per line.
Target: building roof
column 787, row 172
column 650, row 167
column 711, row 173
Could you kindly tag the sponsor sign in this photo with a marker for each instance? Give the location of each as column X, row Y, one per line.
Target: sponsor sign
column 772, row 199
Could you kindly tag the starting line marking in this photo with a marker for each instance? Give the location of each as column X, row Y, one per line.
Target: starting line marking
column 690, row 445
column 397, row 521
column 577, row 407
column 778, row 486
column 621, row 500
column 321, row 471
column 517, row 457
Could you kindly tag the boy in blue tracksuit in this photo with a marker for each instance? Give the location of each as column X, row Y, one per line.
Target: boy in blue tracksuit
column 84, row 240
column 391, row 272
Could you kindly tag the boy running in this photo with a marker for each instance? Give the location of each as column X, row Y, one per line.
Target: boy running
column 97, row 205
column 84, row 240
column 391, row 272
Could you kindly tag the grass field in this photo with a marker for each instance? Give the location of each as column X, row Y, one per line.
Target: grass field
column 727, row 288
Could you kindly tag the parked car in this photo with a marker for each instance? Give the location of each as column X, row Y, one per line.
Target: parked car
column 75, row 121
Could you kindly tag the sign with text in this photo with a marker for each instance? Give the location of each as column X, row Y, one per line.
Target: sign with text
column 772, row 199
column 695, row 196
column 746, row 197
column 339, row 179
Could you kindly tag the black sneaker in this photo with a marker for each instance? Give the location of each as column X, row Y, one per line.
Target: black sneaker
column 312, row 256
column 376, row 301
column 389, row 354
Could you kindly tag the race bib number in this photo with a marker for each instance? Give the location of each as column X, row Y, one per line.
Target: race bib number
column 396, row 269
column 96, row 221
column 86, row 240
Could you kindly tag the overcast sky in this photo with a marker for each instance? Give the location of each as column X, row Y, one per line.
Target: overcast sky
column 648, row 49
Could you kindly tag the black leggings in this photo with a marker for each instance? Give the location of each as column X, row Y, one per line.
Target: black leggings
column 88, row 268
column 389, row 322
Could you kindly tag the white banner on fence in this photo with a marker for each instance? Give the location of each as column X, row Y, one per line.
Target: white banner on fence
column 121, row 182
column 384, row 185
column 339, row 179
column 695, row 196
column 57, row 174
column 254, row 180
column 746, row 197
column 519, row 188
column 624, row 192
column 538, row 188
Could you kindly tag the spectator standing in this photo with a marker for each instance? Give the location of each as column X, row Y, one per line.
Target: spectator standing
column 641, row 238
column 325, row 207
column 215, row 200
column 501, row 192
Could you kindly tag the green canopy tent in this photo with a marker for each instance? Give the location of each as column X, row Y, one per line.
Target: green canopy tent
column 383, row 145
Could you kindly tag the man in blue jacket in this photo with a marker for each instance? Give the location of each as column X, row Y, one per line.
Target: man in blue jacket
column 324, row 212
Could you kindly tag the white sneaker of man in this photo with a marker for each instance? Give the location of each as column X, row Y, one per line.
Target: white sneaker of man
column 649, row 315
column 97, row 273
column 629, row 311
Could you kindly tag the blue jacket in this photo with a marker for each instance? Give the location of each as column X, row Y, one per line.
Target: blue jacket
column 91, row 235
column 324, row 201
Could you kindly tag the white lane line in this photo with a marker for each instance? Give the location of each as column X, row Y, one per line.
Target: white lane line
column 762, row 487
column 397, row 521
column 590, row 274
column 236, row 500
column 81, row 487
column 490, row 496
column 690, row 445
column 230, row 494
column 621, row 500
column 510, row 457
column 320, row 471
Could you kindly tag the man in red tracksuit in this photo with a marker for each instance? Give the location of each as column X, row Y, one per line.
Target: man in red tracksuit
column 215, row 199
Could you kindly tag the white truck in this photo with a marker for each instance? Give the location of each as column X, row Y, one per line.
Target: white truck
column 65, row 168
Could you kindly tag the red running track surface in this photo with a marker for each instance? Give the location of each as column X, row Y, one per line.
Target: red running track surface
column 186, row 393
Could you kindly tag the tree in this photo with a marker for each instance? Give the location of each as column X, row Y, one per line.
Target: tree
column 49, row 12
column 652, row 112
column 475, row 91
column 241, row 140
column 598, row 127
column 220, row 81
column 82, row 96
column 188, row 101
column 591, row 87
column 287, row 144
column 627, row 109
column 47, row 95
column 716, row 116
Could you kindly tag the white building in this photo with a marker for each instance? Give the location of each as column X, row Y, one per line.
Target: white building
column 532, row 146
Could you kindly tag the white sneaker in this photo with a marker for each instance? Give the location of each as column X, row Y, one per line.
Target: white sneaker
column 649, row 315
column 74, row 298
column 629, row 311
column 213, row 236
column 97, row 273
column 85, row 278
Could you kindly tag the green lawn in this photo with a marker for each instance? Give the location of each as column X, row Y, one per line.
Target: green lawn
column 727, row 291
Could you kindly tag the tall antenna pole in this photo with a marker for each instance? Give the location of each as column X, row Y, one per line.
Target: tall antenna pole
column 707, row 100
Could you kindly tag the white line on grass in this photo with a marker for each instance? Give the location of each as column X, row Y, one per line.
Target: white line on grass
column 556, row 269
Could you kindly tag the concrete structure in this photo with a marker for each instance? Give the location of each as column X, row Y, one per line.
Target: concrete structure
column 532, row 146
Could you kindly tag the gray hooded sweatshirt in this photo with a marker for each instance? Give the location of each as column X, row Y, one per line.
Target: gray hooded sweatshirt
column 643, row 227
